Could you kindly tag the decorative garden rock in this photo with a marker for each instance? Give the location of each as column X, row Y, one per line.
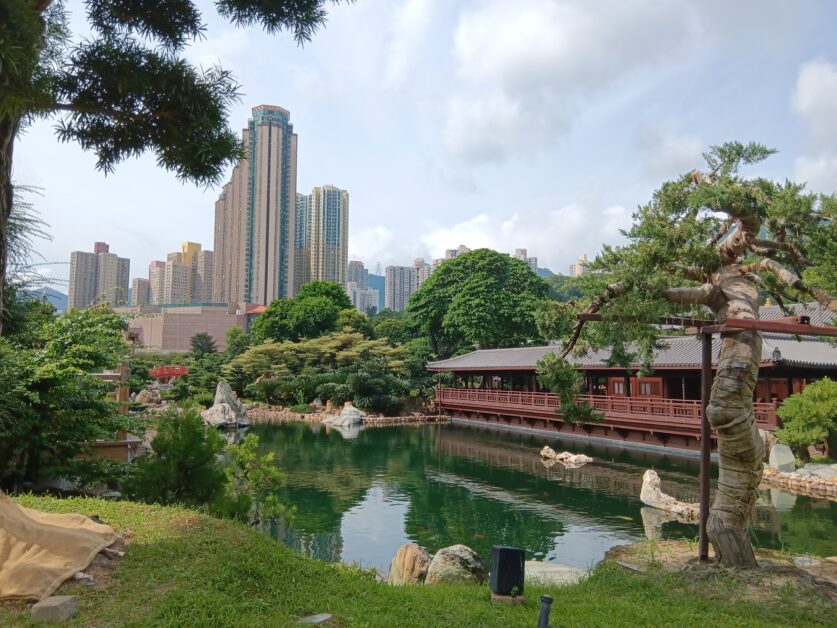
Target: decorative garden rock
column 782, row 458
column 409, row 566
column 652, row 495
column 149, row 397
column 572, row 461
column 226, row 411
column 455, row 564
column 348, row 417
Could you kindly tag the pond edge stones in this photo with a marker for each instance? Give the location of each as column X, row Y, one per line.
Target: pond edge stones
column 455, row 564
column 409, row 565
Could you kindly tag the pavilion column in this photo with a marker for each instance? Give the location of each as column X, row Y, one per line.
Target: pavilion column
column 627, row 384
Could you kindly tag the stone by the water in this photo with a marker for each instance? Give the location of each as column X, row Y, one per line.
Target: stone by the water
column 781, row 458
column 409, row 565
column 55, row 609
column 552, row 573
column 804, row 562
column 227, row 410
column 569, row 460
column 456, row 564
column 349, row 416
column 651, row 494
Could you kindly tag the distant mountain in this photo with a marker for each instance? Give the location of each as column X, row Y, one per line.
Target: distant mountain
column 378, row 282
column 545, row 273
column 58, row 300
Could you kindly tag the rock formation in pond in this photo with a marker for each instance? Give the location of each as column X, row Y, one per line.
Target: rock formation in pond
column 409, row 566
column 572, row 461
column 226, row 411
column 149, row 397
column 652, row 495
column 455, row 564
column 349, row 416
column 781, row 458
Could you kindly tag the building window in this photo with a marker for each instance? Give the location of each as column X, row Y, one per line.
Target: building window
column 618, row 388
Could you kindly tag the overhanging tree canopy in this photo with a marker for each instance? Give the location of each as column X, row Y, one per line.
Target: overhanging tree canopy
column 712, row 240
column 126, row 89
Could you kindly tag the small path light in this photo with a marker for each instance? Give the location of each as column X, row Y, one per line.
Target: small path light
column 546, row 605
column 507, row 574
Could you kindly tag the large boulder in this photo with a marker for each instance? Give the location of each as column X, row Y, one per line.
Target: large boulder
column 349, row 416
column 455, row 564
column 227, row 410
column 651, row 494
column 781, row 458
column 571, row 461
column 409, row 566
column 149, row 397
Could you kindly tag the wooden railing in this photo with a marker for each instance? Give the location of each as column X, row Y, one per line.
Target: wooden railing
column 671, row 411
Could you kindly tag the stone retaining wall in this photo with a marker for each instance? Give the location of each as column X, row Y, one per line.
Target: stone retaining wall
column 796, row 483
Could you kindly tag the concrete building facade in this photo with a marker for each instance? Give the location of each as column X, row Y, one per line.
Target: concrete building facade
column 400, row 285
column 140, row 291
column 423, row 271
column 531, row 262
column 580, row 267
column 170, row 328
column 203, row 266
column 255, row 215
column 322, row 235
column 362, row 300
column 177, row 288
column 83, row 279
column 157, row 281
column 357, row 274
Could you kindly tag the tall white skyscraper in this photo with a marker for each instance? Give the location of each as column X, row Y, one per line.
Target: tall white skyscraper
column 531, row 262
column 580, row 267
column 400, row 285
column 322, row 235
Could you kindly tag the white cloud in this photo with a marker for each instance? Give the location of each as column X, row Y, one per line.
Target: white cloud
column 410, row 24
column 666, row 155
column 820, row 173
column 526, row 68
column 222, row 46
column 815, row 100
column 555, row 237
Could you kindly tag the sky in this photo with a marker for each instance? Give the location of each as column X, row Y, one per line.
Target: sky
column 538, row 124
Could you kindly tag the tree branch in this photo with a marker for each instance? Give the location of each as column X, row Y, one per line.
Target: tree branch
column 613, row 291
column 792, row 280
column 721, row 233
column 700, row 295
column 690, row 272
column 759, row 247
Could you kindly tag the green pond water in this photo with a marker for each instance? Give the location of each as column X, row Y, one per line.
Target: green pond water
column 358, row 499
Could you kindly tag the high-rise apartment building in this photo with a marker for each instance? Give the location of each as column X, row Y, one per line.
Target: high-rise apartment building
column 358, row 274
column 157, row 281
column 322, row 235
column 423, row 271
column 83, row 279
column 98, row 277
column 140, row 291
column 363, row 300
column 531, row 262
column 186, row 276
column 255, row 215
column 177, row 289
column 203, row 266
column 400, row 285
column 580, row 267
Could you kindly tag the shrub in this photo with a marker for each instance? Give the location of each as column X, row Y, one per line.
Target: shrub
column 205, row 399
column 300, row 408
column 183, row 466
column 810, row 417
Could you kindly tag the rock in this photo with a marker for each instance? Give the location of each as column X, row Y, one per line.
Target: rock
column 552, row 573
column 409, row 566
column 652, row 495
column 818, row 470
column 149, row 397
column 348, row 417
column 572, row 461
column 55, row 608
column 455, row 564
column 227, row 410
column 782, row 500
column 805, row 562
column 320, row 618
column 781, row 458
column 832, row 559
column 769, row 439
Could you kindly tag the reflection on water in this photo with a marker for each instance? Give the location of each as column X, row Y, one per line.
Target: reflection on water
column 358, row 499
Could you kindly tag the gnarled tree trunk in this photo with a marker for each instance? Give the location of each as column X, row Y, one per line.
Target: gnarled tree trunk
column 8, row 130
column 731, row 413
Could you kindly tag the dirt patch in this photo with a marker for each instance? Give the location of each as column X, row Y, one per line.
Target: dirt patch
column 777, row 570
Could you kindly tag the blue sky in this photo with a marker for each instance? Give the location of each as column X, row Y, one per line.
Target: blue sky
column 536, row 123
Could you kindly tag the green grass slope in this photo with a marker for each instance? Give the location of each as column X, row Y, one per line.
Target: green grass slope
column 184, row 568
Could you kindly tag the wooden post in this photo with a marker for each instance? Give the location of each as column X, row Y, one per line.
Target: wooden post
column 705, row 443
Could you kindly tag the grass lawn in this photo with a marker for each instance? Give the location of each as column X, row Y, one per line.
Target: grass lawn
column 184, row 568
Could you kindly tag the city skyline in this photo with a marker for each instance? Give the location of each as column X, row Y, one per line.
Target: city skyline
column 538, row 146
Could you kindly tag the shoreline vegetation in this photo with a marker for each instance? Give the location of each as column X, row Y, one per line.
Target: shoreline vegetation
column 182, row 567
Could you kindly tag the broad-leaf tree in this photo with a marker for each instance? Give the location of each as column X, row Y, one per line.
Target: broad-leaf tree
column 482, row 298
column 126, row 87
column 712, row 240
